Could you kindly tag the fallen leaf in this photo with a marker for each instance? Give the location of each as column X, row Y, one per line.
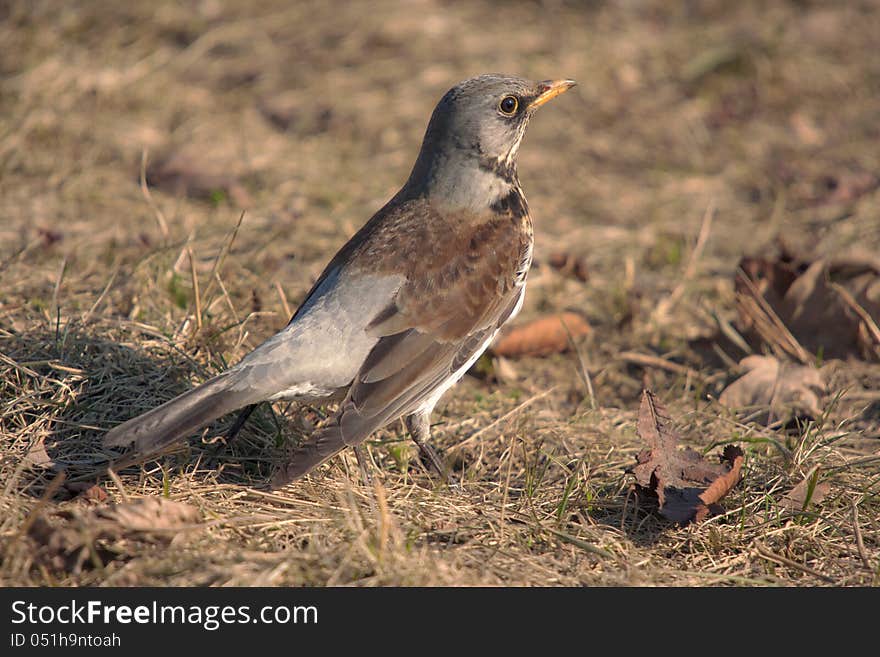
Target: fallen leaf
column 82, row 490
column 570, row 265
column 809, row 491
column 79, row 538
column 541, row 337
column 784, row 389
column 150, row 514
column 806, row 307
column 687, row 487
column 38, row 456
column 191, row 173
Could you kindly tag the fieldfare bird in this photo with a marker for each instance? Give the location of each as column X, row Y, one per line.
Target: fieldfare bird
column 407, row 305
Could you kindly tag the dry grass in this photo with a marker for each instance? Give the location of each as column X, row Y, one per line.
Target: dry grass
column 116, row 295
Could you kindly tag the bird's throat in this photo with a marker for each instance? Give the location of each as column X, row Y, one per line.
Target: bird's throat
column 471, row 184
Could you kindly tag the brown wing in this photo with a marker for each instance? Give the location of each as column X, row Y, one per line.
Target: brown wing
column 456, row 296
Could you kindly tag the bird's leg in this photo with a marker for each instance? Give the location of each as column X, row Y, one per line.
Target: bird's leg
column 419, row 427
column 363, row 465
column 243, row 416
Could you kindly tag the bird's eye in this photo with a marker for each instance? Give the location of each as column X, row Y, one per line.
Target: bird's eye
column 508, row 105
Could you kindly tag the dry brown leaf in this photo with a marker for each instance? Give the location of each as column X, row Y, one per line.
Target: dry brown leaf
column 541, row 337
column 809, row 491
column 570, row 265
column 686, row 486
column 38, row 456
column 191, row 173
column 150, row 514
column 86, row 491
column 804, row 306
column 783, row 389
column 74, row 539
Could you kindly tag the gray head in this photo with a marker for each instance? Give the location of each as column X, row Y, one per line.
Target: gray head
column 468, row 155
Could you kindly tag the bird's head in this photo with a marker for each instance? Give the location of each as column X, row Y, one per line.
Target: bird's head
column 474, row 136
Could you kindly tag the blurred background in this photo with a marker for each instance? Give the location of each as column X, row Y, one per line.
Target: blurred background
column 309, row 116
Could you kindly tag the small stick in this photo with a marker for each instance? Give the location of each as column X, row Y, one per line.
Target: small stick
column 585, row 373
column 506, row 487
column 195, row 283
column 116, row 480
column 145, row 190
column 669, row 302
column 793, row 347
column 863, row 314
column 785, row 561
column 53, row 486
column 283, row 298
column 101, row 296
column 661, row 363
column 221, row 257
column 860, row 544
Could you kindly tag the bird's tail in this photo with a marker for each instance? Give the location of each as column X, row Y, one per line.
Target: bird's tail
column 176, row 419
column 326, row 444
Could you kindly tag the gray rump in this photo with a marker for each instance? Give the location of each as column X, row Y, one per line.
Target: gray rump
column 321, row 351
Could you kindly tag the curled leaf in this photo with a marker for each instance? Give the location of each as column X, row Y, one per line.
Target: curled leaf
column 809, row 491
column 687, row 487
column 190, row 172
column 38, row 456
column 73, row 540
column 541, row 337
column 784, row 389
column 806, row 307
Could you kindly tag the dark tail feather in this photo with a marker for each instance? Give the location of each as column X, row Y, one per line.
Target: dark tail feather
column 348, row 429
column 180, row 417
column 305, row 458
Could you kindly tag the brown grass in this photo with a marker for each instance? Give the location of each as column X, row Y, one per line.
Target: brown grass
column 115, row 295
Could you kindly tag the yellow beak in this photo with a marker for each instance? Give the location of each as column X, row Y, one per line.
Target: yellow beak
column 549, row 89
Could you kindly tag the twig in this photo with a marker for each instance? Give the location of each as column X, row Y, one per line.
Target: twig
column 101, row 296
column 145, row 190
column 860, row 544
column 661, row 363
column 195, row 283
column 283, row 298
column 116, row 480
column 669, row 302
column 506, row 488
column 579, row 543
column 863, row 314
column 221, row 257
column 585, row 373
column 769, row 555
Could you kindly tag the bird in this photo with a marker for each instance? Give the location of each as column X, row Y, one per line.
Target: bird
column 406, row 306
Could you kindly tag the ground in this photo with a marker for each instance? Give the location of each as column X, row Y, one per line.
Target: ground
column 134, row 135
